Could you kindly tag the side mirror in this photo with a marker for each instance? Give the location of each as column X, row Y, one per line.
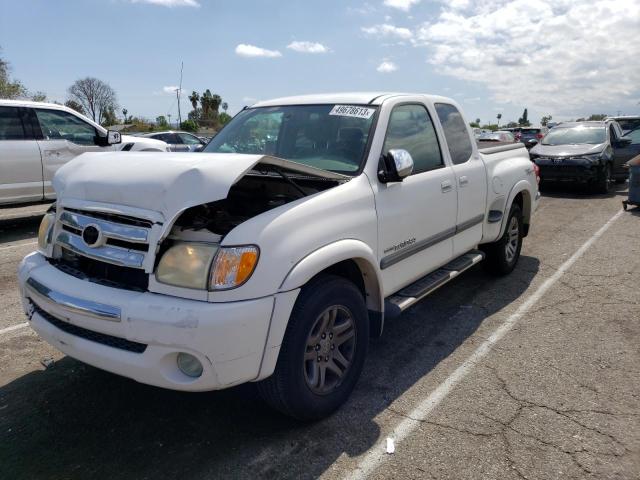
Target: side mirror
column 398, row 165
column 533, row 142
column 623, row 142
column 113, row 137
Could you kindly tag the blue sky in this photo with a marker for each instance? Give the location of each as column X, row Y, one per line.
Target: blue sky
column 554, row 57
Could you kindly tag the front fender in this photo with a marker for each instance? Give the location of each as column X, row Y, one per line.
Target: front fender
column 333, row 253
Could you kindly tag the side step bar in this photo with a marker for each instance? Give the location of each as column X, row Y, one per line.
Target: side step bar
column 412, row 294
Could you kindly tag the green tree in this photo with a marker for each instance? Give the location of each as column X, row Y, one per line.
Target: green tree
column 124, row 114
column 224, row 118
column 9, row 88
column 39, row 97
column 474, row 124
column 161, row 122
column 524, row 120
column 597, row 117
column 109, row 117
column 544, row 120
column 75, row 106
column 499, row 116
column 189, row 126
column 225, row 106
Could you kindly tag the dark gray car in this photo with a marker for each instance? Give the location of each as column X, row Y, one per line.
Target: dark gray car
column 587, row 152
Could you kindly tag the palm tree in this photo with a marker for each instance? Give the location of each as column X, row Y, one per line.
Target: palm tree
column 499, row 116
column 124, row 113
column 194, row 98
column 225, row 105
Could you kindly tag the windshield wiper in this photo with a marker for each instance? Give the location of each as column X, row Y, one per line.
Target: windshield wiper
column 289, row 180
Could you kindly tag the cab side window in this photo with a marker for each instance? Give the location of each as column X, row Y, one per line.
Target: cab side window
column 456, row 133
column 11, row 127
column 59, row 125
column 189, row 139
column 411, row 129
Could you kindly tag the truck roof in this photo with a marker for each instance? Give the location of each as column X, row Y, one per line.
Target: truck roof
column 355, row 98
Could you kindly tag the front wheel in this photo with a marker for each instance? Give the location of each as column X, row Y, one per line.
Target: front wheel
column 603, row 182
column 502, row 255
column 323, row 350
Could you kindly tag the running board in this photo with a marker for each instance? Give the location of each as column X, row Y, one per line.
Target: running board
column 412, row 294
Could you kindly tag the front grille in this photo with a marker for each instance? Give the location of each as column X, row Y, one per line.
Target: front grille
column 116, row 261
column 564, row 170
column 96, row 337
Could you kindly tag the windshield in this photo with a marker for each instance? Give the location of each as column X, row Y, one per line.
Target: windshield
column 331, row 137
column 575, row 135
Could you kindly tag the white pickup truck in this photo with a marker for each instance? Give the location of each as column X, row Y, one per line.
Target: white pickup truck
column 277, row 253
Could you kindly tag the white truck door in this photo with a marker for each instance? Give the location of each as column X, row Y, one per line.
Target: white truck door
column 64, row 137
column 471, row 178
column 20, row 162
column 416, row 217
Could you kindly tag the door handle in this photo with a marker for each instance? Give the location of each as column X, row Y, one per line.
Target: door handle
column 446, row 186
column 464, row 180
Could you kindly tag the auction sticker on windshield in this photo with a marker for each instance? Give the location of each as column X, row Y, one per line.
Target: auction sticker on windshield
column 352, row 111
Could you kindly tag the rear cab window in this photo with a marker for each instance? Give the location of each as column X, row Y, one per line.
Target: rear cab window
column 455, row 132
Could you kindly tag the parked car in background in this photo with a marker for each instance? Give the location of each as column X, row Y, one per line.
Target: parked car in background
column 531, row 135
column 588, row 152
column 499, row 136
column 277, row 253
column 179, row 141
column 627, row 122
column 630, row 146
column 38, row 138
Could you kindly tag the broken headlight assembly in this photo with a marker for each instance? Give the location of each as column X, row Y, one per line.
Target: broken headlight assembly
column 206, row 266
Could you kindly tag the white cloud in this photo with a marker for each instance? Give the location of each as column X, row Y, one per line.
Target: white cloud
column 245, row 50
column 387, row 67
column 560, row 57
column 170, row 3
column 386, row 30
column 403, row 5
column 307, row 47
column 170, row 89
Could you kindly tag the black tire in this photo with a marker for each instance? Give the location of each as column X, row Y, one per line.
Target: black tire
column 499, row 260
column 603, row 183
column 620, row 180
column 288, row 390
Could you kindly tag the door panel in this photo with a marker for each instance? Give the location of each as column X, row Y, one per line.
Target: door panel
column 20, row 163
column 65, row 136
column 416, row 217
column 471, row 179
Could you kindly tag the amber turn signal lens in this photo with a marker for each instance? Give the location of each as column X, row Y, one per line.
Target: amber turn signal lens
column 233, row 266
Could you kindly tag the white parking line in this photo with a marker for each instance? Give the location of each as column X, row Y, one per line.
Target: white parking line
column 13, row 327
column 377, row 455
column 18, row 245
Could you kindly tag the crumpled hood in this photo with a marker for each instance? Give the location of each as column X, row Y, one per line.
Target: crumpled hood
column 162, row 182
column 567, row 150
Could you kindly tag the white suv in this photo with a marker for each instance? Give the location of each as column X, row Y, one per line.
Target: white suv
column 38, row 138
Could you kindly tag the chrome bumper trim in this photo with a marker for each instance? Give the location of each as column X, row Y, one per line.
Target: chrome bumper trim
column 114, row 255
column 109, row 229
column 42, row 295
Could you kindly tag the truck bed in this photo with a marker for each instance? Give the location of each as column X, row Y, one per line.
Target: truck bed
column 487, row 148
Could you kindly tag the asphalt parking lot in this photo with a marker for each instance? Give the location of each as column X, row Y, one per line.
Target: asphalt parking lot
column 531, row 376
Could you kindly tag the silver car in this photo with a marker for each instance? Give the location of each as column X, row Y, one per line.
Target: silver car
column 179, row 141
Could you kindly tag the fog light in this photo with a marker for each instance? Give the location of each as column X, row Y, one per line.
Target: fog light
column 189, row 365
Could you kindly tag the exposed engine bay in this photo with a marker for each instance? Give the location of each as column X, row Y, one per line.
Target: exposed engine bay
column 255, row 193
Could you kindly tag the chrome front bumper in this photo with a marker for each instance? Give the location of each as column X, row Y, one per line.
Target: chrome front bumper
column 228, row 338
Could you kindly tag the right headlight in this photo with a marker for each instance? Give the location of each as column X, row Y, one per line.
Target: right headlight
column 44, row 231
column 186, row 265
column 205, row 266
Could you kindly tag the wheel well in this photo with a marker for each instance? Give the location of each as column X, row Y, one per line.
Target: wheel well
column 523, row 200
column 363, row 276
column 348, row 269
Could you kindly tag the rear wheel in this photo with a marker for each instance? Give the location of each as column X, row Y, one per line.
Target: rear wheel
column 323, row 351
column 502, row 255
